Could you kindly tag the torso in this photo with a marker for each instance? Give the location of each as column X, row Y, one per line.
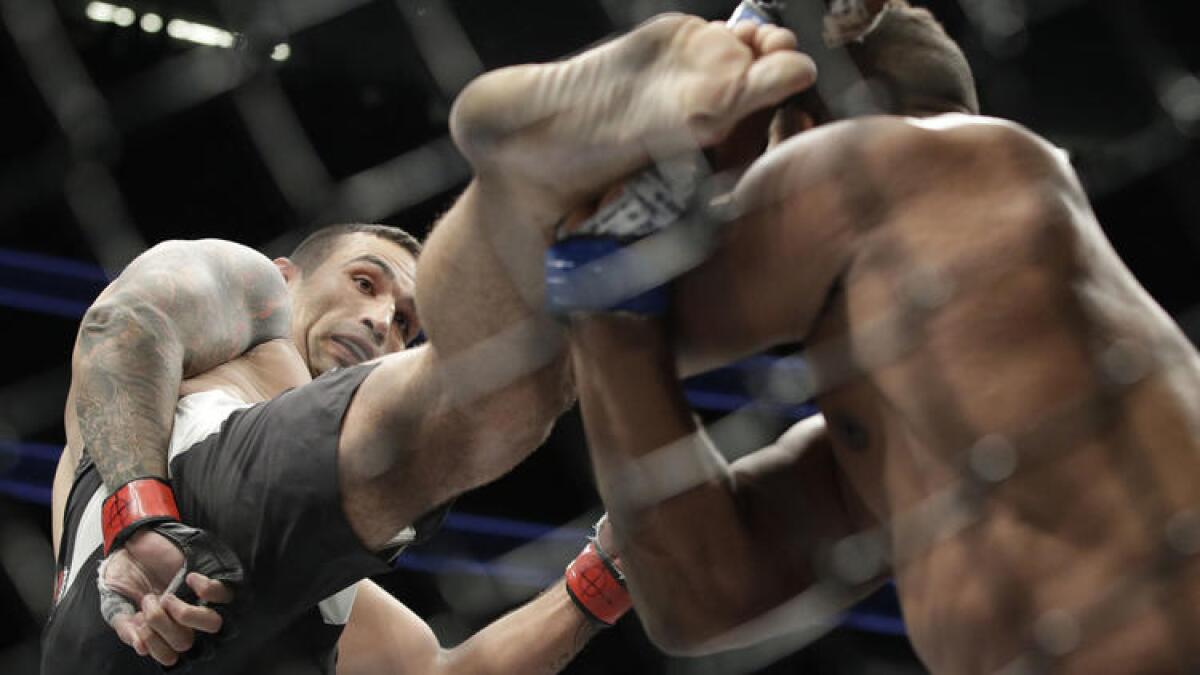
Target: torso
column 1080, row 468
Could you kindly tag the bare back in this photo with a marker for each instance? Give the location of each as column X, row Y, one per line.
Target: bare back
column 1012, row 413
column 1005, row 397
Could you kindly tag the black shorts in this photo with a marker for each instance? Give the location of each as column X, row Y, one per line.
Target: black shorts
column 266, row 484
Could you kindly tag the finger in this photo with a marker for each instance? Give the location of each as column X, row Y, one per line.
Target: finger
column 743, row 30
column 209, row 590
column 156, row 647
column 127, row 631
column 204, row 619
column 178, row 638
column 773, row 78
column 769, row 39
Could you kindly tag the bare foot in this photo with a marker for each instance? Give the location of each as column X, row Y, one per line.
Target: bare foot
column 568, row 130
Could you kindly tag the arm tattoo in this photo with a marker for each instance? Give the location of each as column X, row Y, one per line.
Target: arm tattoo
column 124, row 394
column 180, row 309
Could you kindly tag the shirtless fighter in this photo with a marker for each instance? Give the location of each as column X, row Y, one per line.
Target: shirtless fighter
column 263, row 477
column 308, row 485
column 1010, row 423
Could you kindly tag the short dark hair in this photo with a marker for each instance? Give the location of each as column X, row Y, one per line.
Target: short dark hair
column 910, row 63
column 310, row 253
column 919, row 66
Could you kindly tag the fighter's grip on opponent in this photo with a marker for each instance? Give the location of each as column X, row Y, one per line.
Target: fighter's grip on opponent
column 163, row 626
column 142, row 514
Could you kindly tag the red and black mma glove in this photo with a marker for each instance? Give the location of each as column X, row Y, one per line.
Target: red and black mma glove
column 136, row 504
column 597, row 585
column 150, row 503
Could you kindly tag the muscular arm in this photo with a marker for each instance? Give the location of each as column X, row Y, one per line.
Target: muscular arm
column 725, row 544
column 178, row 310
column 734, row 542
column 729, row 542
column 383, row 637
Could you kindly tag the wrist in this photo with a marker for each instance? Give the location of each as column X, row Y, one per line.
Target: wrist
column 635, row 338
column 134, row 505
column 597, row 587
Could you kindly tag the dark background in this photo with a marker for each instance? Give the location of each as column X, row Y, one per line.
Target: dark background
column 113, row 138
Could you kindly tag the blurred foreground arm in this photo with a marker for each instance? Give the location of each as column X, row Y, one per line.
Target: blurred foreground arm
column 383, row 637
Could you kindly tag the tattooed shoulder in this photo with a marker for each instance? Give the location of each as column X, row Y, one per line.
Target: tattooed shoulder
column 215, row 299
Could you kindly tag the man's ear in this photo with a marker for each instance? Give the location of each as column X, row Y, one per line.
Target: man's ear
column 290, row 271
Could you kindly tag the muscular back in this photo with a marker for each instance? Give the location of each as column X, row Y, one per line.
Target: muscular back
column 1001, row 363
column 1009, row 408
column 1021, row 369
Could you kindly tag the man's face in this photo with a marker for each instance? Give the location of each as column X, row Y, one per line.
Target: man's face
column 358, row 304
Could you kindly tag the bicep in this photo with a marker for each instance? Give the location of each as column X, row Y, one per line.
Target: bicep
column 793, row 499
column 788, row 512
column 383, row 637
column 211, row 299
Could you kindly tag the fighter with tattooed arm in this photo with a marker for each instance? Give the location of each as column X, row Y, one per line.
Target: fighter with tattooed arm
column 349, row 297
column 206, row 348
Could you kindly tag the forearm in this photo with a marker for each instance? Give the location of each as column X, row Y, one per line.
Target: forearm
column 126, row 372
column 542, row 636
column 686, row 552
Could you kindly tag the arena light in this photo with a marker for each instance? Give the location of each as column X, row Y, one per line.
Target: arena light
column 199, row 33
column 101, row 12
column 1180, row 96
column 180, row 29
column 123, row 16
column 281, row 52
column 151, row 22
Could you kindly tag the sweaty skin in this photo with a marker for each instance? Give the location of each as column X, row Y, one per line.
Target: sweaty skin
column 954, row 291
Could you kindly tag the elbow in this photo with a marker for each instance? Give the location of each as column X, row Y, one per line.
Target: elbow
column 705, row 616
column 106, row 317
column 123, row 326
column 674, row 638
column 687, row 630
column 122, row 314
column 710, row 598
column 115, row 317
